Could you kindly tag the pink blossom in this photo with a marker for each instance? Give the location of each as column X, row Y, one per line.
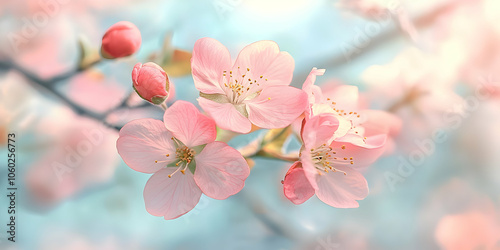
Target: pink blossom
column 325, row 169
column 253, row 90
column 121, row 40
column 185, row 143
column 151, row 82
column 356, row 124
column 336, row 145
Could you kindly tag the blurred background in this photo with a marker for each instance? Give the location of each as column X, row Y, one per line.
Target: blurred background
column 434, row 64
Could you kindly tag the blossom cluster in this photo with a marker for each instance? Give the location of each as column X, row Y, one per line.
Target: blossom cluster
column 253, row 92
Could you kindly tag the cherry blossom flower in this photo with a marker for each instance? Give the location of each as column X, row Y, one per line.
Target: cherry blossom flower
column 355, row 123
column 253, row 90
column 185, row 159
column 335, row 148
column 327, row 169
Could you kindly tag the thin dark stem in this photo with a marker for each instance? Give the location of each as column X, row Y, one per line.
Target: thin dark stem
column 48, row 87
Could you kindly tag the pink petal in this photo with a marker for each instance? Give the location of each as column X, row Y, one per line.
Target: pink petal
column 345, row 125
column 171, row 197
column 364, row 153
column 277, row 106
column 221, row 170
column 319, row 130
column 313, row 92
column 345, row 97
column 310, row 170
column 226, row 116
column 296, row 186
column 188, row 125
column 210, row 59
column 264, row 58
column 144, row 141
column 339, row 190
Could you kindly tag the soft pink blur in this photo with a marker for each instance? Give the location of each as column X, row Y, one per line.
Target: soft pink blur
column 84, row 156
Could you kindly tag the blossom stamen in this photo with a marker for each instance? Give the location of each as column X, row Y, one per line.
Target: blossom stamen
column 182, row 168
column 240, row 88
column 324, row 161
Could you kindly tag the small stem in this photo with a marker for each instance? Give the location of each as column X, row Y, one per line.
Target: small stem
column 225, row 135
column 283, row 130
column 163, row 105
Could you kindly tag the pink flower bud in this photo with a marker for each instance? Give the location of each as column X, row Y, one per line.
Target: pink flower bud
column 150, row 82
column 121, row 40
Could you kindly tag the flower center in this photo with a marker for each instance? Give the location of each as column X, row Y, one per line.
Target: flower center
column 183, row 155
column 324, row 159
column 351, row 116
column 241, row 85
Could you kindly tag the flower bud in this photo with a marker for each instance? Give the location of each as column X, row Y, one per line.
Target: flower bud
column 121, row 40
column 151, row 82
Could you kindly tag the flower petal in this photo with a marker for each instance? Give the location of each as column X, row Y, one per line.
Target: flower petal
column 277, row 106
column 339, row 190
column 226, row 116
column 144, row 141
column 296, row 186
column 310, row 170
column 364, row 153
column 264, row 58
column 210, row 59
column 314, row 93
column 319, row 130
column 171, row 197
column 188, row 125
column 221, row 170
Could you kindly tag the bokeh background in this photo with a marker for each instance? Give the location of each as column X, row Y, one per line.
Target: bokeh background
column 433, row 63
